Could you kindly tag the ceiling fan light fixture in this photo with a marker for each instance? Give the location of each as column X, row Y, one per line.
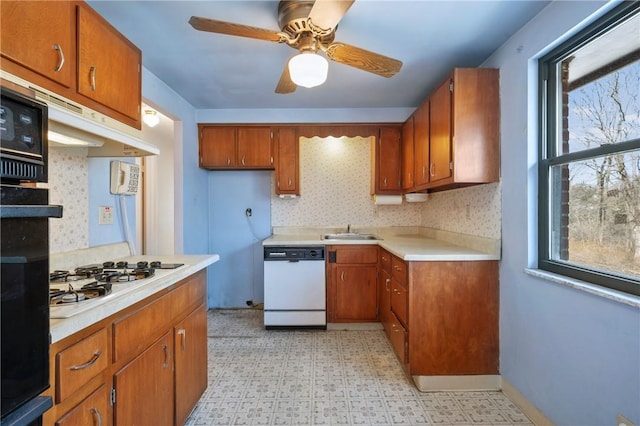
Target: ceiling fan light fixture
column 150, row 118
column 308, row 69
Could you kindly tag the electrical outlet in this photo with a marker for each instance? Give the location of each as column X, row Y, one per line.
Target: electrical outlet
column 105, row 216
column 623, row 421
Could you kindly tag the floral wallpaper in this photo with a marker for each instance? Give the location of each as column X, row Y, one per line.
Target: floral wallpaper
column 475, row 210
column 68, row 186
column 335, row 181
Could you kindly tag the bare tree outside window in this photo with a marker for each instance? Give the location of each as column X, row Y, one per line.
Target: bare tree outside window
column 604, row 194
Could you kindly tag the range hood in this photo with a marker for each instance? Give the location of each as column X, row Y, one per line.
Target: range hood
column 70, row 121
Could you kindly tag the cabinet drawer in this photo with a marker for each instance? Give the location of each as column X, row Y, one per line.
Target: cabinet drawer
column 357, row 254
column 399, row 300
column 399, row 270
column 398, row 338
column 385, row 260
column 79, row 363
column 187, row 295
column 134, row 331
column 91, row 411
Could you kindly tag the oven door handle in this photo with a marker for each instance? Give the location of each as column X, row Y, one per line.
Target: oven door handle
column 28, row 211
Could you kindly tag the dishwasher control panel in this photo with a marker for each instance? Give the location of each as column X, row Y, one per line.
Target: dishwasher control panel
column 274, row 253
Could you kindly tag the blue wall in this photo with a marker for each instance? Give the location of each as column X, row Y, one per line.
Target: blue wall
column 574, row 355
column 238, row 276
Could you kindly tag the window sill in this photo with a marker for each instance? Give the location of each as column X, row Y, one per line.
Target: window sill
column 596, row 290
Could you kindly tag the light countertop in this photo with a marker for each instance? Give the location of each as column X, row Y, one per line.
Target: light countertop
column 421, row 246
column 90, row 313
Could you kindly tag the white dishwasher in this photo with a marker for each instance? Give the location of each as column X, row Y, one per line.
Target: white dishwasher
column 294, row 287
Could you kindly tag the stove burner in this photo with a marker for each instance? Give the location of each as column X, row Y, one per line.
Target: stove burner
column 155, row 264
column 88, row 271
column 72, row 295
column 108, row 265
column 142, row 265
column 124, row 276
column 122, row 264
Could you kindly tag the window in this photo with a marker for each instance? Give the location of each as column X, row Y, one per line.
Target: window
column 589, row 164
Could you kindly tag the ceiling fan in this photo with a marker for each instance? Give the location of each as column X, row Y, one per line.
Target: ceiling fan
column 308, row 26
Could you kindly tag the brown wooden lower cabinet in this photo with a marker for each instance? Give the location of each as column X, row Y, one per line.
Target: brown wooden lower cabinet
column 352, row 283
column 190, row 361
column 451, row 311
column 144, row 387
column 91, row 411
column 145, row 365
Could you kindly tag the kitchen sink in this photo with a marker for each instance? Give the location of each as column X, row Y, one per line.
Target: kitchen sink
column 349, row 236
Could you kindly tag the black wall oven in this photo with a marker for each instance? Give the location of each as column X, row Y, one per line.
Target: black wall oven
column 24, row 260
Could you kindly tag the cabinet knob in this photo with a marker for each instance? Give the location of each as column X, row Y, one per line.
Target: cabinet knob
column 97, row 417
column 58, row 48
column 342, row 276
column 167, row 356
column 243, row 160
column 92, row 76
column 432, row 169
column 89, row 363
column 183, row 338
column 228, row 161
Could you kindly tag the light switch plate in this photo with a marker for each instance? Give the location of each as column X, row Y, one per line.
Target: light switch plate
column 105, row 216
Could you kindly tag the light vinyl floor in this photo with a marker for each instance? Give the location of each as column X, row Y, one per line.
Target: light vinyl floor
column 260, row 377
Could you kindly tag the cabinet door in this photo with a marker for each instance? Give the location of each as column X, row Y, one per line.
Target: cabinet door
column 40, row 36
column 217, row 147
column 384, row 302
column 144, row 387
column 407, row 155
column 255, row 147
column 287, row 162
column 91, row 411
column 191, row 362
column 356, row 298
column 108, row 65
column 421, row 144
column 440, row 133
column 387, row 162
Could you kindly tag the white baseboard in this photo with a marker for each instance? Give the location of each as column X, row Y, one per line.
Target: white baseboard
column 536, row 416
column 457, row 383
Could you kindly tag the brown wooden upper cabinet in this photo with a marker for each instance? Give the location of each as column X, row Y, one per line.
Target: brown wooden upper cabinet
column 107, row 60
column 408, row 153
column 287, row 161
column 235, row 147
column 421, row 145
column 456, row 132
column 47, row 28
column 386, row 160
column 67, row 48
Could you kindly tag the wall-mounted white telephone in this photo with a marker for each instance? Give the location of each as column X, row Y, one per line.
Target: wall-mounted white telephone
column 125, row 178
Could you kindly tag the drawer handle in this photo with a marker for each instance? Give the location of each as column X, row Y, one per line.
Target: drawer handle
column 342, row 276
column 228, row 161
column 397, row 268
column 95, row 413
column 243, row 160
column 289, row 181
column 432, row 169
column 92, row 71
column 58, row 48
column 167, row 356
column 89, row 363
column 183, row 338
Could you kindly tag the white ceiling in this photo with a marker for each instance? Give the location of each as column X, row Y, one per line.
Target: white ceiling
column 213, row 71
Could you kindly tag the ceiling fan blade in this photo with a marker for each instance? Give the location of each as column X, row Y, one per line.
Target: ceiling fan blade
column 222, row 27
column 326, row 14
column 286, row 85
column 363, row 59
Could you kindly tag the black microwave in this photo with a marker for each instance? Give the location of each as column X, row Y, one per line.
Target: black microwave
column 23, row 138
